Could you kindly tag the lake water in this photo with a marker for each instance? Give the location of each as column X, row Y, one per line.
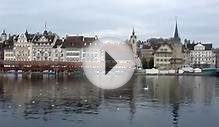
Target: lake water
column 146, row 101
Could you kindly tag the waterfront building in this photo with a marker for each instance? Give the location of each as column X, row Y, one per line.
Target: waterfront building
column 57, row 51
column 146, row 51
column 94, row 55
column 9, row 54
column 162, row 56
column 43, row 46
column 9, row 48
column 23, row 47
column 216, row 51
column 186, row 55
column 3, row 38
column 147, row 56
column 74, row 48
column 201, row 55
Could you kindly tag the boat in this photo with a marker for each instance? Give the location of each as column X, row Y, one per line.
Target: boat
column 187, row 68
column 197, row 70
column 210, row 71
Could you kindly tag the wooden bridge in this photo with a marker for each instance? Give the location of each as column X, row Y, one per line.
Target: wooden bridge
column 40, row 66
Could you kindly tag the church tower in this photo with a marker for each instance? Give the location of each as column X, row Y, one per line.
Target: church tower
column 177, row 55
column 3, row 36
column 133, row 42
column 176, row 34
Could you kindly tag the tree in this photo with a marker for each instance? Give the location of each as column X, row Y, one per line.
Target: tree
column 144, row 63
column 151, row 63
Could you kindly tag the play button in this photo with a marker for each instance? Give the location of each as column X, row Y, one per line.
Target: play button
column 108, row 63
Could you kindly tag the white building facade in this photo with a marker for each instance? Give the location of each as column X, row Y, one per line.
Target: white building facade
column 202, row 56
column 43, row 46
column 23, row 47
column 9, row 54
column 58, row 52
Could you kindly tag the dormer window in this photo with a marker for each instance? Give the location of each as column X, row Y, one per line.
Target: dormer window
column 199, row 47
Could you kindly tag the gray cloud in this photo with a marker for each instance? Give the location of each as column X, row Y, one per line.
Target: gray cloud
column 198, row 19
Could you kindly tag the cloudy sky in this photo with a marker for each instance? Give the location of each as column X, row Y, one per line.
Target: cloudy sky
column 197, row 19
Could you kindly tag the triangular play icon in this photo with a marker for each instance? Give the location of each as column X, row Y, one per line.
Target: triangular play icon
column 109, row 63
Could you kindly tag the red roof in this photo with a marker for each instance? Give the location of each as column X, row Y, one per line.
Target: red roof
column 76, row 41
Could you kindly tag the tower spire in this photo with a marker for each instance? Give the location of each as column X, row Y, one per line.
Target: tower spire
column 133, row 31
column 26, row 32
column 45, row 29
column 176, row 34
column 45, row 26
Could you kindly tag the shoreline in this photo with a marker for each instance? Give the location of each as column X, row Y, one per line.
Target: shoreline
column 138, row 74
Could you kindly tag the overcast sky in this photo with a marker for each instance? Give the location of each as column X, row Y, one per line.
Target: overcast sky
column 197, row 19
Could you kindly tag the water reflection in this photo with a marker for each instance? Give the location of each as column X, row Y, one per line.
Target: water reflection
column 74, row 99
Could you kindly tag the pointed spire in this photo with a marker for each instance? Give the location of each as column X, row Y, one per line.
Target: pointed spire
column 176, row 35
column 133, row 31
column 26, row 32
column 45, row 26
column 45, row 29
column 133, row 34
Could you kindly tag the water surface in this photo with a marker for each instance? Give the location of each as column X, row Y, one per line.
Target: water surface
column 146, row 101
